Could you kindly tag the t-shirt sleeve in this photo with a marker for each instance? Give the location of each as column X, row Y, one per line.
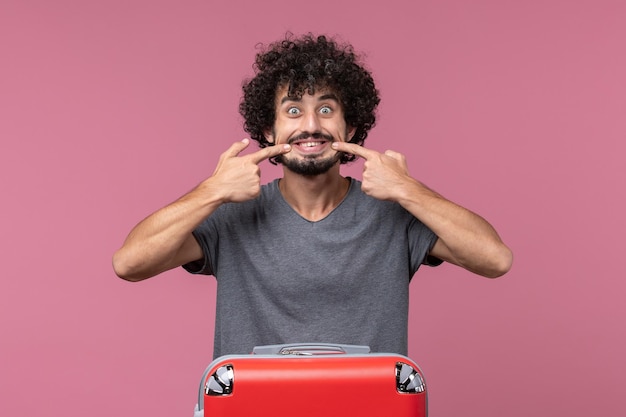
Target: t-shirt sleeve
column 203, row 236
column 421, row 240
column 432, row 260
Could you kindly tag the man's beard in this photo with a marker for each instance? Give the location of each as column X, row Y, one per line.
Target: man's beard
column 309, row 167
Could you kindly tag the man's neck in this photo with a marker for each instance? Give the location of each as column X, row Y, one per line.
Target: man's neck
column 314, row 197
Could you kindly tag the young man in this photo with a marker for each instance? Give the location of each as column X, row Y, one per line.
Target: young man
column 312, row 256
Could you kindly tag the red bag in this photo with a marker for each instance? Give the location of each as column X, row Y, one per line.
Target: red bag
column 312, row 380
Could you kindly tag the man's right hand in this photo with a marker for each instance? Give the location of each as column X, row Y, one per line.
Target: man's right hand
column 238, row 178
column 164, row 239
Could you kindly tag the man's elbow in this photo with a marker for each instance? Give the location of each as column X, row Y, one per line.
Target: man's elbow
column 501, row 264
column 123, row 268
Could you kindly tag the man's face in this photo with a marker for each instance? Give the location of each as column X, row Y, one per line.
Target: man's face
column 309, row 124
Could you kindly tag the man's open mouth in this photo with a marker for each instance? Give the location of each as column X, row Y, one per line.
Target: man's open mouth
column 310, row 144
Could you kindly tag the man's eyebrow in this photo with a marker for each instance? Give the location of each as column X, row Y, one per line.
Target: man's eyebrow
column 288, row 98
column 329, row 96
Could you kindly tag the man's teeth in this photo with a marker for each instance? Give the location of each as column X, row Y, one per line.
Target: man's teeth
column 309, row 144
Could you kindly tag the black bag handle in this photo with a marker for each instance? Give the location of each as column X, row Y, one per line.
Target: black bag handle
column 310, row 349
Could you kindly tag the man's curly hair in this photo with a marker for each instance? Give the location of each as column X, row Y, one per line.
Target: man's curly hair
column 303, row 65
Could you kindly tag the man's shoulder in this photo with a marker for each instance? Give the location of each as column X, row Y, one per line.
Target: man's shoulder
column 365, row 207
column 357, row 194
column 267, row 196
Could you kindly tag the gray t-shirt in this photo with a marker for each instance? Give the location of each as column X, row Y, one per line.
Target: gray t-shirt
column 284, row 279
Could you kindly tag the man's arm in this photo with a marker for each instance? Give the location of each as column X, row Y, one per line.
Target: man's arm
column 164, row 239
column 465, row 238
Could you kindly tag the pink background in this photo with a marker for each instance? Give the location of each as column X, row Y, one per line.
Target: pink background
column 515, row 109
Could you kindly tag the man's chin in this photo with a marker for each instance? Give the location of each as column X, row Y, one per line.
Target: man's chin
column 309, row 166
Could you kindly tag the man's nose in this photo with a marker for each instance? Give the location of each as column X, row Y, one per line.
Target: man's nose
column 311, row 122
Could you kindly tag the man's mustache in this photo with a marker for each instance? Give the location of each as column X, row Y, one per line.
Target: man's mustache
column 307, row 135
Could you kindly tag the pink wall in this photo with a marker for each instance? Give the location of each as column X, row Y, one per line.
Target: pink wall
column 111, row 109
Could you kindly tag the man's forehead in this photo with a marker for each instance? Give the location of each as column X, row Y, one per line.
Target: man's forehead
column 320, row 93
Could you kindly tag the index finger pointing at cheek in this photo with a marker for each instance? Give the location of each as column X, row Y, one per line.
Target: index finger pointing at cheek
column 269, row 152
column 352, row 148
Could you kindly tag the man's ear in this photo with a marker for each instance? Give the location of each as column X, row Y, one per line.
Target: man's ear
column 269, row 135
column 351, row 132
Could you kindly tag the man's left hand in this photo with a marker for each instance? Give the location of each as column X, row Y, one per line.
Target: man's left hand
column 385, row 175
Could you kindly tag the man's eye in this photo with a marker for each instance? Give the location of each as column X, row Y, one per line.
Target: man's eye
column 326, row 110
column 293, row 110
